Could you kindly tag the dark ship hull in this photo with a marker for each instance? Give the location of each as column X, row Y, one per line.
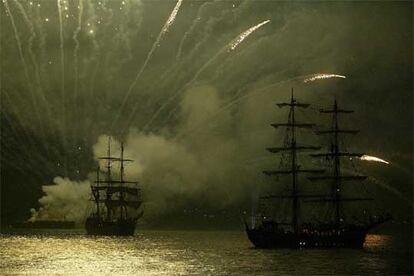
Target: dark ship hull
column 99, row 227
column 262, row 238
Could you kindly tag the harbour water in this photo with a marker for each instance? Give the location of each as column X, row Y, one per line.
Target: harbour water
column 71, row 252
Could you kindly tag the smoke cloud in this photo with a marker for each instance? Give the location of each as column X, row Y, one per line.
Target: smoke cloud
column 205, row 146
column 64, row 200
column 169, row 171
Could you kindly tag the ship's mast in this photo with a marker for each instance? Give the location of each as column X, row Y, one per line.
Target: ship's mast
column 335, row 154
column 337, row 167
column 116, row 189
column 122, row 192
column 97, row 197
column 109, row 179
column 295, row 202
column 108, row 163
column 292, row 148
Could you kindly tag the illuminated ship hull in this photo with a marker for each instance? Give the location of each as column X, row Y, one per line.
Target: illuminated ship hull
column 332, row 238
column 99, row 227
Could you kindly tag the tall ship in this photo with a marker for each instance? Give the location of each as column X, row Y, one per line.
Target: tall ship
column 332, row 227
column 117, row 201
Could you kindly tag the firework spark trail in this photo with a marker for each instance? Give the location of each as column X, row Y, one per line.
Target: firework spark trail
column 13, row 110
column 76, row 61
column 133, row 12
column 194, row 49
column 62, row 54
column 233, row 45
column 170, row 75
column 188, row 84
column 232, row 103
column 42, row 47
column 179, row 92
column 321, row 76
column 30, row 41
column 121, row 41
column 97, row 49
column 172, row 17
column 264, row 89
column 164, row 29
column 373, row 159
column 89, row 71
column 62, row 63
column 197, row 74
column 190, row 30
column 75, row 51
column 207, row 64
column 19, row 44
column 33, row 57
column 43, row 68
column 389, row 188
column 26, row 141
column 29, row 165
column 26, row 70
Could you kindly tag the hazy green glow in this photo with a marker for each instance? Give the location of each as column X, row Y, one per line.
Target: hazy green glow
column 66, row 73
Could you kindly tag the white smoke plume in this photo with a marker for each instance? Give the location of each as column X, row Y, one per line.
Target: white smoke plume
column 65, row 200
column 166, row 169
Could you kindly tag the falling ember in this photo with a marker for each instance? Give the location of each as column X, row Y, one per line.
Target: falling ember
column 233, row 45
column 322, row 76
column 373, row 158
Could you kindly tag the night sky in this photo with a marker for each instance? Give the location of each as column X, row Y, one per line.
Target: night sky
column 193, row 98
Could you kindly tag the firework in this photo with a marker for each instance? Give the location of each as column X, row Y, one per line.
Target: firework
column 373, row 159
column 321, row 76
column 164, row 29
column 75, row 51
column 172, row 17
column 233, row 45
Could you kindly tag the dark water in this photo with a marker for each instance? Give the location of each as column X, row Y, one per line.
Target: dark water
column 192, row 253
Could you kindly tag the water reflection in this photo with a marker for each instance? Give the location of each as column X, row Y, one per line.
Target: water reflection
column 375, row 242
column 187, row 253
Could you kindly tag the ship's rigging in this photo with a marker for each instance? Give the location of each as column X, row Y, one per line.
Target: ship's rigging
column 117, row 200
column 291, row 146
column 337, row 230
